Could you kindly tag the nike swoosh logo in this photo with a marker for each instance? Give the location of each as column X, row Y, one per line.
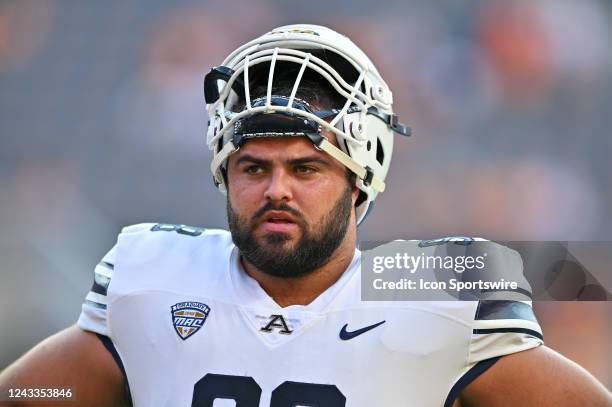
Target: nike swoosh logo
column 346, row 335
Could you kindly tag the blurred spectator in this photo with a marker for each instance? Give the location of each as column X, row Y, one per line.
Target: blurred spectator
column 24, row 28
column 515, row 39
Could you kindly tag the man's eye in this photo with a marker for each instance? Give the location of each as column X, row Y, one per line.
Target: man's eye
column 302, row 169
column 253, row 169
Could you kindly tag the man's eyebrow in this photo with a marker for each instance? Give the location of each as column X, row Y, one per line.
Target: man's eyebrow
column 247, row 158
column 251, row 159
column 308, row 160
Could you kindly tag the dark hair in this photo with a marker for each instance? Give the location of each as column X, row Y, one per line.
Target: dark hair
column 313, row 88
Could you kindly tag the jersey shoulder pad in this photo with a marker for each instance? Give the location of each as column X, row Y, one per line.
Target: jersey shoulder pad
column 154, row 256
column 169, row 235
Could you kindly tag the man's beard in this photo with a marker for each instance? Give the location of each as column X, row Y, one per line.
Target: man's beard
column 312, row 250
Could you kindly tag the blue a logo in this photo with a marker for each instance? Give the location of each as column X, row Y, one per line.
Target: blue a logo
column 188, row 317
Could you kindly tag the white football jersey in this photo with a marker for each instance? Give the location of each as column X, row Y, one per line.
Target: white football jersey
column 191, row 328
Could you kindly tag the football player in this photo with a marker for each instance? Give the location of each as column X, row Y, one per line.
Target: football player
column 269, row 314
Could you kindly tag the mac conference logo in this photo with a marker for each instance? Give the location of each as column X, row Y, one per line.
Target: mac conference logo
column 188, row 317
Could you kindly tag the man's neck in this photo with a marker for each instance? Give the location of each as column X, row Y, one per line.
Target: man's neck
column 304, row 289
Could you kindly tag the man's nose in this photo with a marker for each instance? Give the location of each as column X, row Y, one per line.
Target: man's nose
column 279, row 186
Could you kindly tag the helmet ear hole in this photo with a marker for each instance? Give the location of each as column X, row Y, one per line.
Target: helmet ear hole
column 380, row 155
column 361, row 198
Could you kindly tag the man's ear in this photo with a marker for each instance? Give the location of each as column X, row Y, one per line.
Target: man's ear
column 225, row 177
column 355, row 193
column 352, row 180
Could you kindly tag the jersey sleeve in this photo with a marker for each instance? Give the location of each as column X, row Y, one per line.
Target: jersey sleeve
column 501, row 328
column 94, row 309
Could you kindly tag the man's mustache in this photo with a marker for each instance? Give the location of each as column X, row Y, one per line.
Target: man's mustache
column 269, row 206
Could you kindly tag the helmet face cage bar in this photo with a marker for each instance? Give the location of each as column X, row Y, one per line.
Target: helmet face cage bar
column 356, row 96
column 229, row 84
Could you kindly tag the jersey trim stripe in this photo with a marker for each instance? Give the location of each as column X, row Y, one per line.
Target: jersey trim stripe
column 106, row 264
column 102, row 277
column 95, row 304
column 513, row 330
column 476, row 370
column 501, row 309
column 103, row 271
column 516, row 290
column 110, row 346
column 100, row 299
column 100, row 284
column 503, row 323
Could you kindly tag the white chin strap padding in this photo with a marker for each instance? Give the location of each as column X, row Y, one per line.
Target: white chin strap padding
column 347, row 161
column 220, row 158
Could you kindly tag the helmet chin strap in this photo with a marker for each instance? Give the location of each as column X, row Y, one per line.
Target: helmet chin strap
column 364, row 174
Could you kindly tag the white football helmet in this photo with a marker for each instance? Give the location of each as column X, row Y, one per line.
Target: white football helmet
column 363, row 126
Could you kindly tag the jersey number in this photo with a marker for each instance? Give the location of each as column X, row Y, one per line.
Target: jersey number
column 246, row 392
column 180, row 229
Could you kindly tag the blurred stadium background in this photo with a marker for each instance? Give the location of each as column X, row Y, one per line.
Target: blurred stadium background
column 102, row 125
